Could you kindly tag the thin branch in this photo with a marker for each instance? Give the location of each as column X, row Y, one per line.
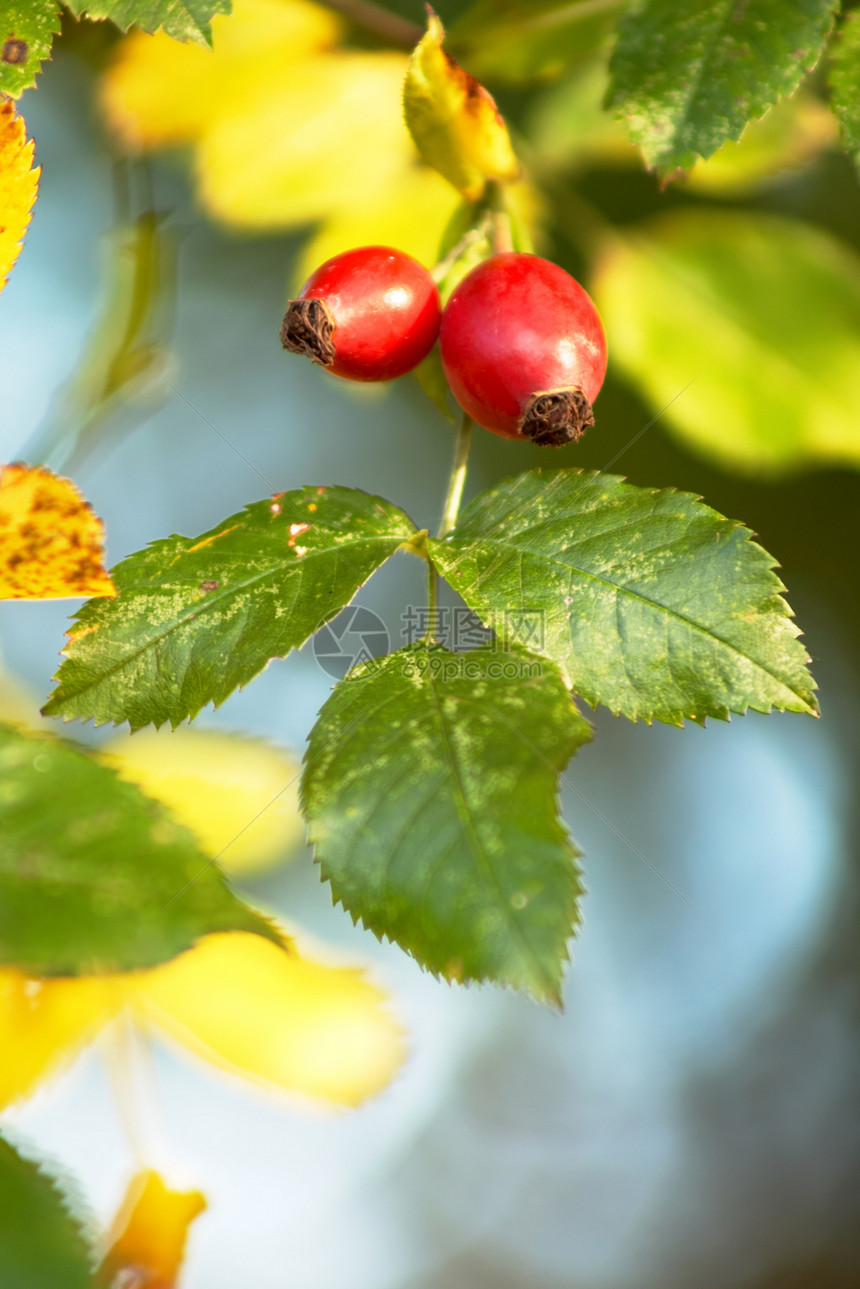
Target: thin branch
column 458, row 477
column 390, row 27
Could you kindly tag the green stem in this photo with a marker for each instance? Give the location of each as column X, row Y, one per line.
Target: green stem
column 501, row 234
column 432, row 602
column 472, row 235
column 450, row 511
column 457, row 477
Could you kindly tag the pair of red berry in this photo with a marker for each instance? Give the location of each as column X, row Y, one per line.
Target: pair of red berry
column 521, row 342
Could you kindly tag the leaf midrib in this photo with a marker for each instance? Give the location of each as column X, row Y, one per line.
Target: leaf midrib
column 466, row 815
column 653, row 604
column 200, row 608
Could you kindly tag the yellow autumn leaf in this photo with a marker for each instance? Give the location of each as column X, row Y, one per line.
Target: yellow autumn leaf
column 239, row 796
column 327, row 137
column 52, row 540
column 44, row 1024
column 19, row 182
column 160, row 91
column 285, row 134
column 285, row 1020
column 281, row 1020
column 146, row 1244
column 454, row 121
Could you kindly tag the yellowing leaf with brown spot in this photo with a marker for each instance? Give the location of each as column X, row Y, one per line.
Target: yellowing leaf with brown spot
column 19, row 182
column 455, row 123
column 51, row 541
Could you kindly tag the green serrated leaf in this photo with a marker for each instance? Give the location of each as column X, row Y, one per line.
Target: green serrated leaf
column 744, row 332
column 430, row 790
column 182, row 19
column 94, row 876
column 689, row 74
column 196, row 617
column 42, row 1243
column 27, row 30
column 845, row 83
column 652, row 603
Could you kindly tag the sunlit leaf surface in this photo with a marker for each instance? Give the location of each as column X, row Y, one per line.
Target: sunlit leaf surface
column 761, row 314
column 845, row 83
column 27, row 30
column 652, row 603
column 195, row 617
column 689, row 74
column 430, row 790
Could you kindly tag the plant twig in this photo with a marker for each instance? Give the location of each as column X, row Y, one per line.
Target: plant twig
column 389, row 26
column 501, row 234
column 432, row 603
column 472, row 235
column 458, row 477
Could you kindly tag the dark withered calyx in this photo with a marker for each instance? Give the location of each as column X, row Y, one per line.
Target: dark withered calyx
column 551, row 418
column 307, row 329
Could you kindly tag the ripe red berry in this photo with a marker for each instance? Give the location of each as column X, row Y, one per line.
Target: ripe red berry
column 523, row 349
column 369, row 314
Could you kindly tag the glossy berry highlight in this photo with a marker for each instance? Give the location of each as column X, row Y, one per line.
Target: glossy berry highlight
column 369, row 314
column 523, row 349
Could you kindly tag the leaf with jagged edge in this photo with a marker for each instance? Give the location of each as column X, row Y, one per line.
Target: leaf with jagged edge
column 19, row 184
column 42, row 1240
column 430, row 789
column 651, row 603
column 27, row 31
column 845, row 83
column 197, row 617
column 182, row 19
column 95, row 876
column 689, row 74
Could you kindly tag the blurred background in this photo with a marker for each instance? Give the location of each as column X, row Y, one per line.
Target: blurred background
column 692, row 1117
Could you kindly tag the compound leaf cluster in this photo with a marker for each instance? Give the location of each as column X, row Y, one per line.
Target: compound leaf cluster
column 430, row 781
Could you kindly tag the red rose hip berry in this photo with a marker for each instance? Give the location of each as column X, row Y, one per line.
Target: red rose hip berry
column 523, row 349
column 369, row 314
